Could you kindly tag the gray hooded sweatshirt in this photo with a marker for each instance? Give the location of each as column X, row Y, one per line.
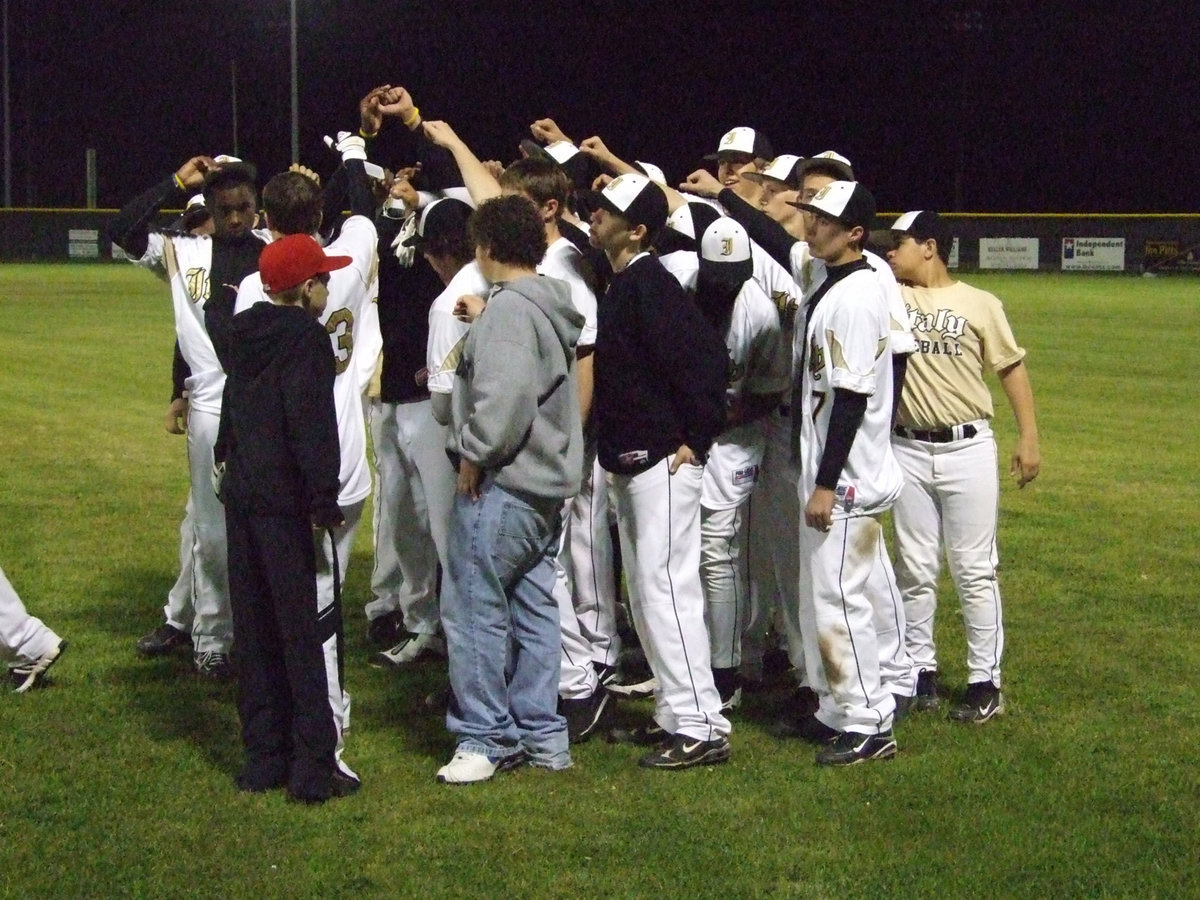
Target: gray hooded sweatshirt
column 515, row 406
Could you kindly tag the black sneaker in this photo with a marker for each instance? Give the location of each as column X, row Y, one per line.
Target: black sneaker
column 729, row 686
column 684, row 752
column 213, row 665
column 649, row 735
column 583, row 715
column 904, row 703
column 162, row 640
column 805, row 727
column 606, row 674
column 27, row 676
column 851, row 748
column 386, row 630
column 928, row 691
column 982, row 701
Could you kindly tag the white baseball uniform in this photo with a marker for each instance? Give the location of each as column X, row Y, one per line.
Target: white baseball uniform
column 586, row 598
column 946, row 449
column 23, row 638
column 847, row 347
column 185, row 263
column 760, row 363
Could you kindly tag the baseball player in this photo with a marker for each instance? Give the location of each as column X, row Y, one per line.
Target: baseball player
column 848, row 477
column 759, row 368
column 943, row 440
column 783, row 235
column 659, row 403
column 415, row 482
column 201, row 272
column 26, row 643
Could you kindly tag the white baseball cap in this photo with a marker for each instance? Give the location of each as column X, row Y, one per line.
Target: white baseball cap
column 743, row 140
column 848, row 202
column 831, row 160
column 785, row 169
column 651, row 171
column 725, row 253
column 635, row 198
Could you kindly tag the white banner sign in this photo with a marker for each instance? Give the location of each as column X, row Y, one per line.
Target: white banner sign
column 1008, row 253
column 953, row 264
column 1093, row 254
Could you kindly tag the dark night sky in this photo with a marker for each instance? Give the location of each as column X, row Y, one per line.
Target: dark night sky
column 1071, row 107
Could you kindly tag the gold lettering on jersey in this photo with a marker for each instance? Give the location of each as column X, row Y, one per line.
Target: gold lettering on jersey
column 340, row 327
column 816, row 360
column 198, row 284
column 734, row 372
column 786, row 305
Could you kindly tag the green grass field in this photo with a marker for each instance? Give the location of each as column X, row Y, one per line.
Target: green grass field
column 117, row 780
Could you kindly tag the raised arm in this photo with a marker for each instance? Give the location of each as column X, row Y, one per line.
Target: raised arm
column 130, row 230
column 480, row 182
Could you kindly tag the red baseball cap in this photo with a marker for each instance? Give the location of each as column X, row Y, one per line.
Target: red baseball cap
column 294, row 259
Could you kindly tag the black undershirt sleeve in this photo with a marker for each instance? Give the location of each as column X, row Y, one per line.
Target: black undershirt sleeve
column 130, row 228
column 899, row 370
column 358, row 189
column 761, row 228
column 845, row 417
column 179, row 374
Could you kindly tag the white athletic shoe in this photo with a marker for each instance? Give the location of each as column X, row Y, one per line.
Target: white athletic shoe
column 633, row 691
column 413, row 649
column 26, row 676
column 467, row 767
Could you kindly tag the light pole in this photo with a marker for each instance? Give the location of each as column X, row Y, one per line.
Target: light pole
column 7, row 119
column 295, row 91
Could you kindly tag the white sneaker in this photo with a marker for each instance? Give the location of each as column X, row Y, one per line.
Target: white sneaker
column 25, row 676
column 468, row 767
column 413, row 649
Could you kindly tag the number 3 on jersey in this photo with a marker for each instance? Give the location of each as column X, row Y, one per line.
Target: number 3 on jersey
column 340, row 327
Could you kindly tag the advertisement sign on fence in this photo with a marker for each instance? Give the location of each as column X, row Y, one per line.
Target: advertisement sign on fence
column 1099, row 254
column 953, row 264
column 1008, row 253
column 83, row 243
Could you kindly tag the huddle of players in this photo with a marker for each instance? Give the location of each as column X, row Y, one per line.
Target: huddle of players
column 687, row 395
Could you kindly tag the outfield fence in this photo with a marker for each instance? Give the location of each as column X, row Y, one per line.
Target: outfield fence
column 1048, row 241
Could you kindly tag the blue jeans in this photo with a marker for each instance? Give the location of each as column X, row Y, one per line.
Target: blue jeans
column 501, row 625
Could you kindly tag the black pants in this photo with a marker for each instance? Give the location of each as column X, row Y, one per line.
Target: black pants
column 288, row 726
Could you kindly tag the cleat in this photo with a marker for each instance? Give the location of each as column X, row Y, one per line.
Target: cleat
column 982, row 701
column 213, row 665
column 650, row 735
column 27, row 676
column 583, row 715
column 386, row 630
column 805, row 727
column 413, row 649
column 928, row 691
column 684, row 752
column 162, row 640
column 851, row 748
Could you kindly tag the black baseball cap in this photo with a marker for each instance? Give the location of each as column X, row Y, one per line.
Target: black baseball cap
column 441, row 217
column 832, row 162
column 848, row 202
column 923, row 224
column 634, row 198
column 743, row 140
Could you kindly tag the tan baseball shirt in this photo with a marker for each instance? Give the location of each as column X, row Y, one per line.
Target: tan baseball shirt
column 960, row 332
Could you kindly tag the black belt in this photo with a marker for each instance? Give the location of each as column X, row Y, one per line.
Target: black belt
column 941, row 436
